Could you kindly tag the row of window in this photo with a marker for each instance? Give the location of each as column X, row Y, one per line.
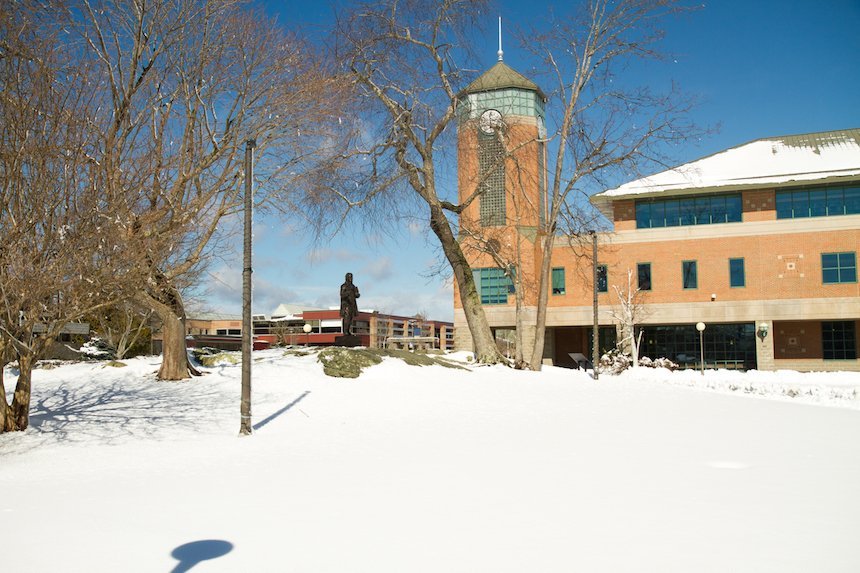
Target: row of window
column 817, row 202
column 703, row 210
column 710, row 209
column 836, row 268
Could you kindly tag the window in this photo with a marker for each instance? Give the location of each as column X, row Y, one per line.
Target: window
column 493, row 285
column 602, row 278
column 839, row 340
column 558, row 281
column 702, row 210
column 689, row 274
column 838, row 268
column 643, row 273
column 737, row 277
column 817, row 202
column 491, row 165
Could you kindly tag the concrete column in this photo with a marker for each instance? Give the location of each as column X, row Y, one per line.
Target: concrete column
column 374, row 322
column 764, row 347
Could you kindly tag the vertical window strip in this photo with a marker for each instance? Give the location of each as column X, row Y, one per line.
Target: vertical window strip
column 558, row 286
column 602, row 278
column 737, row 274
column 643, row 275
column 690, row 277
column 491, row 166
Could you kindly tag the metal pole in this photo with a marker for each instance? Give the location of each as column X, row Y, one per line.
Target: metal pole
column 595, row 346
column 702, row 349
column 247, row 328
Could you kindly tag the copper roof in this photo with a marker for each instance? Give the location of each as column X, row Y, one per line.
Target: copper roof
column 502, row 76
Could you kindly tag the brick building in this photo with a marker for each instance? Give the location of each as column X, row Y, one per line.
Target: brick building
column 758, row 242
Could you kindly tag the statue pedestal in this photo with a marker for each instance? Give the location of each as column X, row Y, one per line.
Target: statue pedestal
column 348, row 340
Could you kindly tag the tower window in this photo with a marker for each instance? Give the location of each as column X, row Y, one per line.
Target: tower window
column 491, row 163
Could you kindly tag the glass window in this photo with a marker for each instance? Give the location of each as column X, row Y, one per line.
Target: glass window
column 852, row 200
column 734, row 209
column 817, row 202
column 689, row 274
column 558, row 281
column 491, row 163
column 643, row 215
column 838, row 268
column 783, row 205
column 737, row 276
column 493, row 285
column 701, row 210
column 602, row 278
column 839, row 340
column 643, row 272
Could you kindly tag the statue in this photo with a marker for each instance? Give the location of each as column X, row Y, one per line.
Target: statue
column 348, row 306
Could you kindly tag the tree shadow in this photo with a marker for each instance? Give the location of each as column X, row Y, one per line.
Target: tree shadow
column 190, row 554
column 265, row 421
column 111, row 414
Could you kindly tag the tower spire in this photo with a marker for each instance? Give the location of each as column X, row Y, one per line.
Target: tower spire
column 500, row 52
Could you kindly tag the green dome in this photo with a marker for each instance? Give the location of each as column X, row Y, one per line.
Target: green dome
column 502, row 76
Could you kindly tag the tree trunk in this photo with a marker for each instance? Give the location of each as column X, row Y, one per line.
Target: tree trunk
column 16, row 417
column 174, row 363
column 5, row 412
column 536, row 359
column 486, row 351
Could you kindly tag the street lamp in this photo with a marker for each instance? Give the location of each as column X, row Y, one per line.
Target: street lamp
column 307, row 328
column 700, row 326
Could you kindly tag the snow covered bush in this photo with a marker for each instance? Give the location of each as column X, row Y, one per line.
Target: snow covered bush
column 616, row 361
column 97, row 349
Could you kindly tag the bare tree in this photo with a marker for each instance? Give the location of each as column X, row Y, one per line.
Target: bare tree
column 401, row 56
column 630, row 311
column 185, row 84
column 126, row 327
column 603, row 129
column 58, row 243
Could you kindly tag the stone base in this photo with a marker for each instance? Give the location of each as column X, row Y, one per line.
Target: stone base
column 348, row 340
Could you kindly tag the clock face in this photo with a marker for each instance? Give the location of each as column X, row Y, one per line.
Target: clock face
column 490, row 120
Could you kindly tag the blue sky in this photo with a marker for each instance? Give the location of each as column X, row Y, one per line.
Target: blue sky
column 758, row 68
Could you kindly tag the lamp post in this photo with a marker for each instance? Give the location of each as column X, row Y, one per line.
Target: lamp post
column 247, row 327
column 595, row 328
column 307, row 328
column 700, row 326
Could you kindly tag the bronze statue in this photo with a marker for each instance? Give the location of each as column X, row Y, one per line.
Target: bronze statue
column 348, row 306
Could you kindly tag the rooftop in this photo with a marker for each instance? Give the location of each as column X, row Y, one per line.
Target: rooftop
column 501, row 76
column 827, row 156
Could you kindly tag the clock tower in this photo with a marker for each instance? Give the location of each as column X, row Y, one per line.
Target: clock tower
column 501, row 176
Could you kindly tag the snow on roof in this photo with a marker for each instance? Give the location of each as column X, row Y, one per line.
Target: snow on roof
column 764, row 162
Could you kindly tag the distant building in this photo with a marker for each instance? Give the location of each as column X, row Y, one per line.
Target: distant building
column 758, row 242
column 285, row 326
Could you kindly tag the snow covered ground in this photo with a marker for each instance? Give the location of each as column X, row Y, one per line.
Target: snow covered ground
column 428, row 469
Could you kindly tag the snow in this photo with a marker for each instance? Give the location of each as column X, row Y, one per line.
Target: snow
column 431, row 469
column 761, row 162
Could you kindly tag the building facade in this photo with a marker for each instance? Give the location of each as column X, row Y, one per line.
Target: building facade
column 759, row 243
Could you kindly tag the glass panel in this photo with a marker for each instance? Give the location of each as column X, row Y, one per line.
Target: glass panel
column 830, row 276
column 602, row 278
column 558, row 281
column 800, row 204
column 718, row 209
column 818, row 202
column 852, row 200
column 783, row 205
column 673, row 213
column 835, row 201
column 658, row 217
column 734, row 209
column 643, row 215
column 643, row 271
column 703, row 210
column 690, row 280
column 688, row 211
